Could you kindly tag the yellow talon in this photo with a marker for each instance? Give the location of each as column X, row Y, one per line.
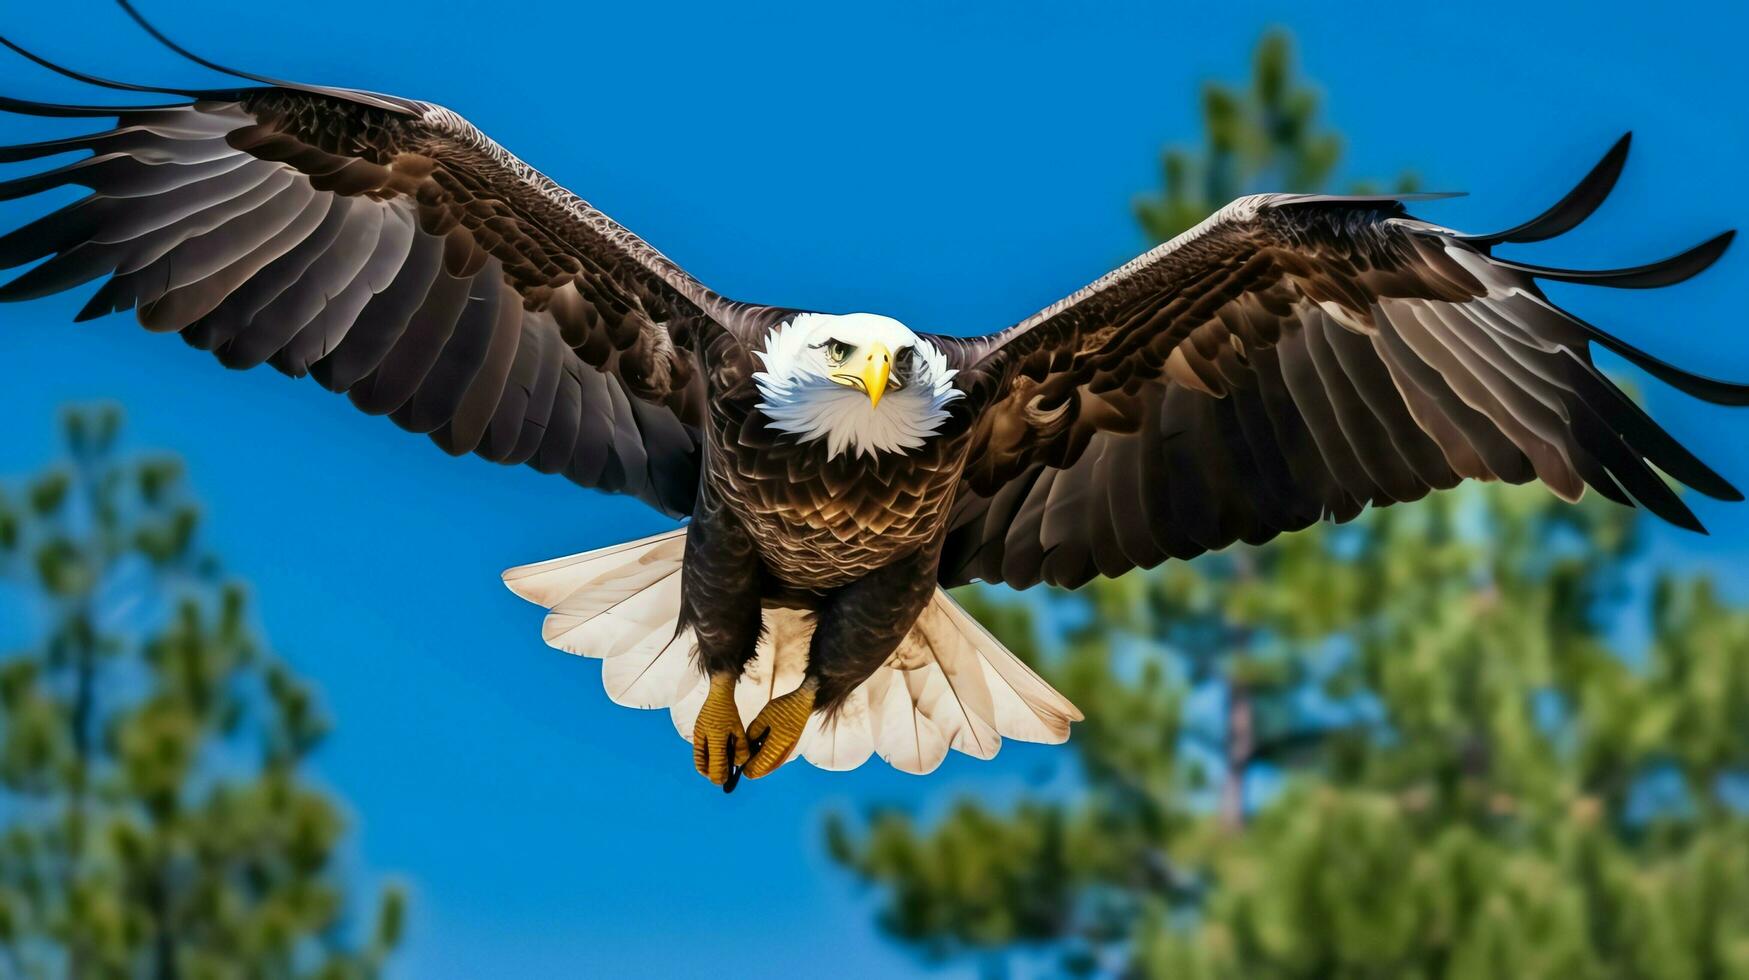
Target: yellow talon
column 719, row 743
column 778, row 727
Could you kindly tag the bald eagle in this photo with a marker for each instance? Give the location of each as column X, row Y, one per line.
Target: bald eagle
column 1292, row 359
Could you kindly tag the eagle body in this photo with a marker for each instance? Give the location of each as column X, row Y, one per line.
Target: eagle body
column 1295, row 358
column 831, row 524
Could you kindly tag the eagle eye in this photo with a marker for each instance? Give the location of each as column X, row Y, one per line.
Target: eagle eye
column 904, row 363
column 837, row 351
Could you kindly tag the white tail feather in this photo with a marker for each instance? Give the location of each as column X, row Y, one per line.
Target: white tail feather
column 842, row 741
column 547, row 583
column 902, row 734
column 949, row 685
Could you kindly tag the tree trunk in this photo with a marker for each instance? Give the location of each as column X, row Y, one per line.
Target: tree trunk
column 1241, row 744
column 81, row 629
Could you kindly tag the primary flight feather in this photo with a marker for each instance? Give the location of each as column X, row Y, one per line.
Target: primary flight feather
column 1292, row 359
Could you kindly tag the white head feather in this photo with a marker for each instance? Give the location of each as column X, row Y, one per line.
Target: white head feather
column 799, row 396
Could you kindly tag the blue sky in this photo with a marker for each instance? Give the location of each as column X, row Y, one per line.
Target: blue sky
column 954, row 164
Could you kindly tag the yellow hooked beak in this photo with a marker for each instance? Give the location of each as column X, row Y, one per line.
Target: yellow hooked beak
column 868, row 369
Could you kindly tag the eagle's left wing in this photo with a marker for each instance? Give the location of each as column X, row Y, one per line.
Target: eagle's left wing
column 1291, row 359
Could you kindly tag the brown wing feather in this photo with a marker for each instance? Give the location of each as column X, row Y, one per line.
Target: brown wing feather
column 394, row 252
column 1296, row 358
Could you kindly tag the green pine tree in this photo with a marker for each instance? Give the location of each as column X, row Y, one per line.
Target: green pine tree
column 154, row 818
column 1457, row 739
column 1265, row 137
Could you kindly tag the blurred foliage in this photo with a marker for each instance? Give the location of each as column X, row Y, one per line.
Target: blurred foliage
column 154, row 820
column 1265, row 137
column 1464, row 738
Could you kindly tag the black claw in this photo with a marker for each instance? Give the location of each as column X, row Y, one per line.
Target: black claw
column 734, row 777
column 753, row 746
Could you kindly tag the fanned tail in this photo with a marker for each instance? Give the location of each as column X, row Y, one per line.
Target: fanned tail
column 951, row 684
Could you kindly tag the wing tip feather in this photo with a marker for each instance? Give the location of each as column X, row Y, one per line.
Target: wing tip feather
column 1653, row 275
column 1572, row 209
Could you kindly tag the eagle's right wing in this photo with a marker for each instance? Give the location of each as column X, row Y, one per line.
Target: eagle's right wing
column 394, row 252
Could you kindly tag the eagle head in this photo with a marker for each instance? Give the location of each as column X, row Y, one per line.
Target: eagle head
column 862, row 382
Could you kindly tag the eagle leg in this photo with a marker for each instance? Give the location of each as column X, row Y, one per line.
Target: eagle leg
column 720, row 593
column 777, row 729
column 719, row 742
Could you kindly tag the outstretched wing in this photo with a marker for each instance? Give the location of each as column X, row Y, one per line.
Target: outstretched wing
column 1292, row 359
column 393, row 252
